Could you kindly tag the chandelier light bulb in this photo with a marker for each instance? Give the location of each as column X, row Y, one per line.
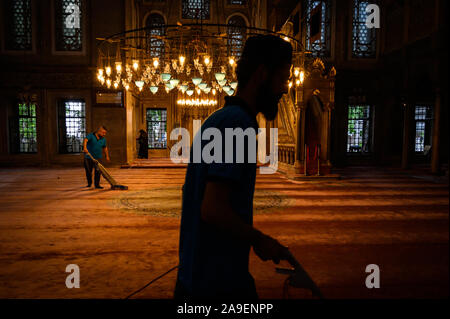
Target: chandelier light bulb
column 174, row 82
column 155, row 62
column 139, row 84
column 231, row 61
column 108, row 83
column 165, row 77
column 127, row 87
column 135, row 65
column 116, row 85
column 196, row 81
column 100, row 72
column 182, row 59
column 108, row 70
column 214, row 91
column 290, row 84
column 153, row 89
column 296, row 72
column 302, row 77
column 219, row 76
column 207, row 60
column 230, row 92
column 119, row 67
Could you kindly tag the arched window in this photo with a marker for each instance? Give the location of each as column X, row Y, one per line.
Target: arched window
column 69, row 25
column 18, row 25
column 364, row 39
column 318, row 27
column 236, row 35
column 155, row 45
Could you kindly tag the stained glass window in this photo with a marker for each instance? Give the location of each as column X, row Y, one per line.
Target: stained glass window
column 27, row 128
column 424, row 120
column 69, row 25
column 71, row 125
column 18, row 25
column 318, row 27
column 364, row 39
column 236, row 35
column 156, row 25
column 195, row 9
column 156, row 128
column 359, row 128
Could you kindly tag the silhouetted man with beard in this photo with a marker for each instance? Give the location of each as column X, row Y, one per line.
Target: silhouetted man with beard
column 217, row 215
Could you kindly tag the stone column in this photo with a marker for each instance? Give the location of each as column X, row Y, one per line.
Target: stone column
column 298, row 128
column 435, row 165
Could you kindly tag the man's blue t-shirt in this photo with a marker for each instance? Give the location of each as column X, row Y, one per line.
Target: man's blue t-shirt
column 95, row 146
column 211, row 262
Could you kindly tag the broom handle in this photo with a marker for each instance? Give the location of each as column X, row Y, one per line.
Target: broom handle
column 92, row 157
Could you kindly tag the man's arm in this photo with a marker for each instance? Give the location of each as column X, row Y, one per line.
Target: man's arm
column 216, row 210
column 105, row 150
column 85, row 150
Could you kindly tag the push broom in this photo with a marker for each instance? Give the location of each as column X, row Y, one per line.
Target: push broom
column 106, row 175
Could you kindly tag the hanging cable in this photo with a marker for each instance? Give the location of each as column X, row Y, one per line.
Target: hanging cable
column 152, row 281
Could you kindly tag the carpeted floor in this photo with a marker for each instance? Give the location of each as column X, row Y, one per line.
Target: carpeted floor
column 123, row 239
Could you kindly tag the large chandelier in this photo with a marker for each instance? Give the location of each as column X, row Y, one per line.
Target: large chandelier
column 197, row 61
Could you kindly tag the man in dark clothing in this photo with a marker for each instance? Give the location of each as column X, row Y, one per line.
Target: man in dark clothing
column 143, row 144
column 95, row 144
column 216, row 230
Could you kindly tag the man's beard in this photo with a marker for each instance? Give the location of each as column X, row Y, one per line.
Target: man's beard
column 267, row 103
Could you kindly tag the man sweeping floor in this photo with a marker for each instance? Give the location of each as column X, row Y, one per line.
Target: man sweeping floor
column 95, row 144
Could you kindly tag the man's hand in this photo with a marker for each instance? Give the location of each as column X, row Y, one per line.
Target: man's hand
column 107, row 158
column 85, row 150
column 268, row 248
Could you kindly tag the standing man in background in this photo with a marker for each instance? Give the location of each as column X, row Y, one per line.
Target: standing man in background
column 95, row 144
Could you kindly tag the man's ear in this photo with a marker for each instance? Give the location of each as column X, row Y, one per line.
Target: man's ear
column 261, row 73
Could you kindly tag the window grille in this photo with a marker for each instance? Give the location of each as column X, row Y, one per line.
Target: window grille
column 318, row 27
column 364, row 39
column 424, row 120
column 155, row 44
column 68, row 23
column 71, row 126
column 18, row 25
column 24, row 135
column 195, row 9
column 156, row 128
column 359, row 129
column 236, row 35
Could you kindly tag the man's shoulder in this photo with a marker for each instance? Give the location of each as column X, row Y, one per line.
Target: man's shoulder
column 230, row 116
